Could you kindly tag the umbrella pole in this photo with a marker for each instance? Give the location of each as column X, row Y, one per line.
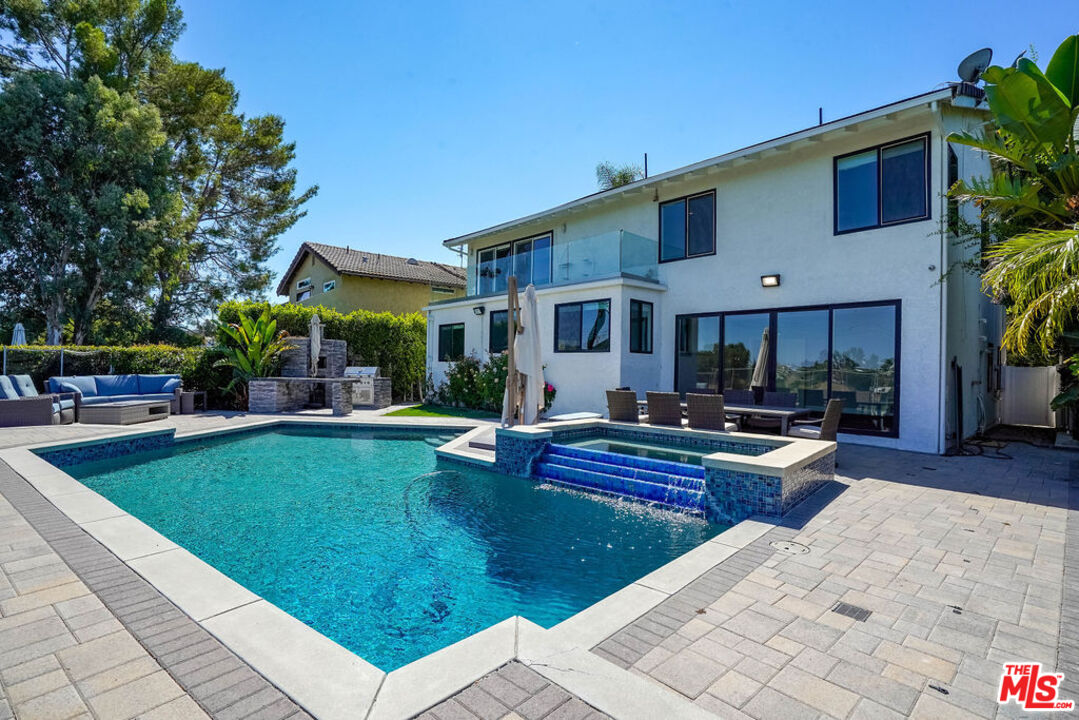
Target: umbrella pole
column 511, row 331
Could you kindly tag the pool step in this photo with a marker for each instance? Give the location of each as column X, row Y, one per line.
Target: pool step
column 674, row 485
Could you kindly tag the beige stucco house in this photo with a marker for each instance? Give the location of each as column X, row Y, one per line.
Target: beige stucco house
column 346, row 279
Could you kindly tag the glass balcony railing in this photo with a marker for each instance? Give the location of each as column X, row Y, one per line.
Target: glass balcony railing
column 609, row 254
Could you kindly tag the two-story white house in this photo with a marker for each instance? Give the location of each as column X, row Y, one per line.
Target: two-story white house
column 833, row 239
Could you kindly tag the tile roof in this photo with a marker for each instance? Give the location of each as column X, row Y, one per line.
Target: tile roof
column 346, row 261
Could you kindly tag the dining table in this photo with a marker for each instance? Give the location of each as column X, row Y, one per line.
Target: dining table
column 784, row 413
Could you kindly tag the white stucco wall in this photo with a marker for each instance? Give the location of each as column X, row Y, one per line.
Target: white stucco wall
column 774, row 215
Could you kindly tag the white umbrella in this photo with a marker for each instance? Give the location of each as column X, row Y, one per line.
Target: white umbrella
column 526, row 348
column 760, row 370
column 18, row 337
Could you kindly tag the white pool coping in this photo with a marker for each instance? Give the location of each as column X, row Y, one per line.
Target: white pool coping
column 333, row 683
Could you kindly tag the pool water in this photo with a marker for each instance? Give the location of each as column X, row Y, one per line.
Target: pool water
column 687, row 456
column 368, row 538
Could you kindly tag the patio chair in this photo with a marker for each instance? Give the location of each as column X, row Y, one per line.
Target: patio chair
column 622, row 406
column 21, row 405
column 738, row 397
column 775, row 399
column 706, row 412
column 824, row 428
column 664, row 408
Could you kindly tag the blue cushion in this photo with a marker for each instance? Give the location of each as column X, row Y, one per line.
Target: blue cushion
column 7, row 390
column 23, row 385
column 55, row 408
column 104, row 399
column 84, row 384
column 158, row 383
column 66, row 404
column 117, row 384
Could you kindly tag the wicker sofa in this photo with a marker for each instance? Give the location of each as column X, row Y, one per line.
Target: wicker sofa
column 22, row 405
column 101, row 389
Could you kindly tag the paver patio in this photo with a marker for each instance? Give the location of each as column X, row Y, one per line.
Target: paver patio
column 963, row 563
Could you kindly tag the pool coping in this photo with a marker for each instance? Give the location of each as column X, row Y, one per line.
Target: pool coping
column 332, row 682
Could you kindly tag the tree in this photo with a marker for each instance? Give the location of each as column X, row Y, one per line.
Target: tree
column 1031, row 202
column 234, row 189
column 609, row 175
column 238, row 191
column 83, row 194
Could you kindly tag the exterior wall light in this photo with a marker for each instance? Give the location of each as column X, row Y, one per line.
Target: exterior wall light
column 769, row 281
column 479, row 309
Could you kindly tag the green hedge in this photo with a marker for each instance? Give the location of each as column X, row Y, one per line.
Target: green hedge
column 395, row 343
column 193, row 364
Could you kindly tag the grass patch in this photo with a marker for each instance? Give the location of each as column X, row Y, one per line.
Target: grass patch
column 441, row 411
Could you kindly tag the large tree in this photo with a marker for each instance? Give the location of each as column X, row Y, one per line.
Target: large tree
column 234, row 190
column 83, row 195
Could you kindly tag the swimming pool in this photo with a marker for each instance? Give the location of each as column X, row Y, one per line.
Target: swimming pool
column 363, row 535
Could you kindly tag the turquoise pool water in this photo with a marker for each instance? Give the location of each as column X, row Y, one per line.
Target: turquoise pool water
column 367, row 538
column 685, row 455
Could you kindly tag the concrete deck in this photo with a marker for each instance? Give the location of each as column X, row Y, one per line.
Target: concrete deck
column 963, row 563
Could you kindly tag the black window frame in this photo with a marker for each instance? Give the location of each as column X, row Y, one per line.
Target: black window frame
column 304, row 294
column 772, row 322
column 926, row 138
column 511, row 245
column 444, row 355
column 491, row 332
column 651, row 327
column 581, row 303
column 685, row 240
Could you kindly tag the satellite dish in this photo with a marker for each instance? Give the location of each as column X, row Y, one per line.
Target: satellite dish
column 974, row 65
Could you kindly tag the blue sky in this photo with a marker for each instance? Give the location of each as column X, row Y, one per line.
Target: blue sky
column 422, row 121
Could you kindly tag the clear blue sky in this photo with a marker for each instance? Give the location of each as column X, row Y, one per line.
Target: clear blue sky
column 422, row 121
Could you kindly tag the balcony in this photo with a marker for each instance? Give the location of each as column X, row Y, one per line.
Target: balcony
column 611, row 254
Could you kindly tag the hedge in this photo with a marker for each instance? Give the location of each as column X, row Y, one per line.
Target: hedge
column 395, row 343
column 193, row 364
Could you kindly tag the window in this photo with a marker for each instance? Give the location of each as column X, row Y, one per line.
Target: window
column 451, row 341
column 953, row 204
column 329, row 285
column 443, row 290
column 303, row 284
column 499, row 331
column 529, row 259
column 848, row 352
column 583, row 326
column 640, row 326
column 884, row 185
column 687, row 227
column 303, row 295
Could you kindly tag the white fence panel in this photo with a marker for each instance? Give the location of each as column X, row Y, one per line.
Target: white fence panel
column 1026, row 395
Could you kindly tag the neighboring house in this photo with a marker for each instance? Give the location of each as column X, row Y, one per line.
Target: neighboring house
column 834, row 239
column 347, row 280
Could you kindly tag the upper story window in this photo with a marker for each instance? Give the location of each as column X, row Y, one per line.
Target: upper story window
column 884, row 185
column 329, row 285
column 583, row 326
column 500, row 332
column 528, row 258
column 687, row 227
column 303, row 284
column 303, row 295
column 640, row 326
column 451, row 342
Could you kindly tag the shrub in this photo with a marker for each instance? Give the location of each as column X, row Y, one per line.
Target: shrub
column 395, row 343
column 481, row 386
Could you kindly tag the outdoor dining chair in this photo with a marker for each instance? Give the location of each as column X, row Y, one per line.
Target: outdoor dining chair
column 706, row 412
column 664, row 408
column 622, row 406
column 824, row 428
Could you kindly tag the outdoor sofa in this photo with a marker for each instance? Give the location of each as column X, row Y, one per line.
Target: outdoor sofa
column 22, row 405
column 101, row 389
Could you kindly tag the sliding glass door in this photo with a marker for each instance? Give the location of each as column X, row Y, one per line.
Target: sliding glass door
column 807, row 355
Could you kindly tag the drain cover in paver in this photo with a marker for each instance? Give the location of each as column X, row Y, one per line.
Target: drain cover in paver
column 852, row 611
column 789, row 547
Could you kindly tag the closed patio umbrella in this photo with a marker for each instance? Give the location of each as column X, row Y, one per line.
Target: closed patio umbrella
column 18, row 337
column 760, row 370
column 530, row 359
